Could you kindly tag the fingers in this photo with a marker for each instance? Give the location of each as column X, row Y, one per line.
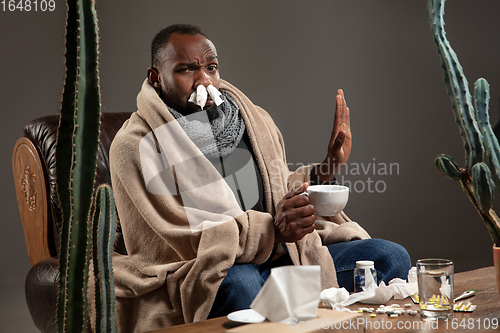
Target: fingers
column 292, row 230
column 342, row 115
column 299, row 233
column 341, row 93
column 340, row 98
column 346, row 115
column 297, row 190
column 294, row 216
column 304, row 212
column 305, row 226
column 341, row 104
column 295, row 208
column 309, row 229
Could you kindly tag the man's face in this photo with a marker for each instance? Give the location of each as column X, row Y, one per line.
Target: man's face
column 186, row 62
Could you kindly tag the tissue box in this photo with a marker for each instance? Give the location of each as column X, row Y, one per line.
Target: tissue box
column 326, row 321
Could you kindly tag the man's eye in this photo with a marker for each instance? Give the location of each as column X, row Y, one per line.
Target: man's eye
column 212, row 68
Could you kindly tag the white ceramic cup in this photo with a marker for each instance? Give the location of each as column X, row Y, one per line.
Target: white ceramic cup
column 328, row 200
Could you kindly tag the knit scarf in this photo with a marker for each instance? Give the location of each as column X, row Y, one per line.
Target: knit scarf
column 215, row 136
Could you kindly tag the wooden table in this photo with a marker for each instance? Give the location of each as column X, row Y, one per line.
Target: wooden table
column 485, row 318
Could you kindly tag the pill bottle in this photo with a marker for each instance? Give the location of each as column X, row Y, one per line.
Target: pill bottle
column 359, row 274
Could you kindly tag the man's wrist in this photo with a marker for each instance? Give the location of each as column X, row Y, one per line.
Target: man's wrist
column 314, row 178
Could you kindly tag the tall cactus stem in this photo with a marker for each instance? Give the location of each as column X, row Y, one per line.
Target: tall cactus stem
column 104, row 226
column 492, row 148
column 456, row 86
column 76, row 156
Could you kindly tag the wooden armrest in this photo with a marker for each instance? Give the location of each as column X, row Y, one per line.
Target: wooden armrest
column 32, row 199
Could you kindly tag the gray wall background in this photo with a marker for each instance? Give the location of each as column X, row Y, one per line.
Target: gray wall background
column 288, row 57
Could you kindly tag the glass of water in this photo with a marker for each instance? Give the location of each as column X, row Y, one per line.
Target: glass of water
column 435, row 288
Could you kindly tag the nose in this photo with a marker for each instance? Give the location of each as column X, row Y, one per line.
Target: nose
column 203, row 79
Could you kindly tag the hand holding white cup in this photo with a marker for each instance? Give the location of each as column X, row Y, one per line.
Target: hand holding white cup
column 328, row 200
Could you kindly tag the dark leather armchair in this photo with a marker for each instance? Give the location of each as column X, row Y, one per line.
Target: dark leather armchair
column 33, row 164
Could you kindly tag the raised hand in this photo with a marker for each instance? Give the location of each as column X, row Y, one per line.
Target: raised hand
column 340, row 144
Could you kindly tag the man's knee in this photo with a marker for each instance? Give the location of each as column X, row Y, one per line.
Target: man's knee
column 391, row 259
column 388, row 248
column 245, row 274
column 242, row 280
column 237, row 291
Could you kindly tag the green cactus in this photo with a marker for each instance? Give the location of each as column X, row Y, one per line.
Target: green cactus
column 76, row 159
column 481, row 145
column 104, row 222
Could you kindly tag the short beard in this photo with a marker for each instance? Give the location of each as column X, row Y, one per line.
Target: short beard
column 170, row 98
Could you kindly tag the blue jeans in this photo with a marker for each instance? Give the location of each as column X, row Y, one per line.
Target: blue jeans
column 244, row 281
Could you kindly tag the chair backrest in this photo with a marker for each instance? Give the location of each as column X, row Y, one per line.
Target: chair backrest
column 33, row 164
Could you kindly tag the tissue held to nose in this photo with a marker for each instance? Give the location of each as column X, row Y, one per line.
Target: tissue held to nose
column 200, row 95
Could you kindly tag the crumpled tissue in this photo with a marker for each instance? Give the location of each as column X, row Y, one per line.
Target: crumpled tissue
column 290, row 294
column 333, row 296
column 373, row 294
column 200, row 95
